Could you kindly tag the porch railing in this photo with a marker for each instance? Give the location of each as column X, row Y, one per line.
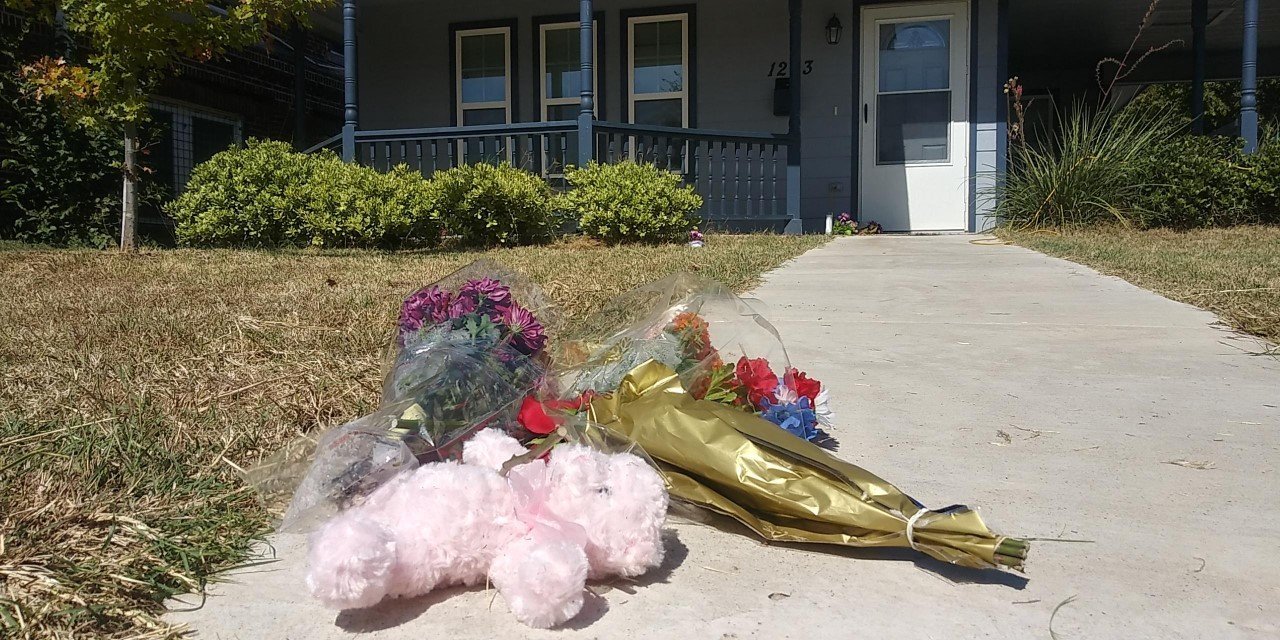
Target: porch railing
column 540, row 147
column 740, row 175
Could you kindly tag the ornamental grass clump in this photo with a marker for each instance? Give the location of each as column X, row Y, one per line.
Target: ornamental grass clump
column 1085, row 172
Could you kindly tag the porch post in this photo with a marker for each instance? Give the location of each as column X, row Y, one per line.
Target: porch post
column 1199, row 16
column 1249, row 78
column 586, row 111
column 796, row 63
column 350, row 113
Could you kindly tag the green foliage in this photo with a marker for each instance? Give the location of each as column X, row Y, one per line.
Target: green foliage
column 493, row 205
column 1192, row 181
column 1262, row 180
column 61, row 181
column 1084, row 172
column 267, row 195
column 1221, row 101
column 630, row 202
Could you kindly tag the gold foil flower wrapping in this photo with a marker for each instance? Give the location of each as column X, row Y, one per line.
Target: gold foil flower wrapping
column 784, row 488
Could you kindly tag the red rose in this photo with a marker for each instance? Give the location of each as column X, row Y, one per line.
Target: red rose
column 573, row 404
column 534, row 418
column 803, row 385
column 758, row 378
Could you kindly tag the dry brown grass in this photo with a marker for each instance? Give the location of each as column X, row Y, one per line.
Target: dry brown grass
column 1233, row 272
column 133, row 386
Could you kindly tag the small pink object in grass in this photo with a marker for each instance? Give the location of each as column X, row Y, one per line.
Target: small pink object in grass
column 696, row 239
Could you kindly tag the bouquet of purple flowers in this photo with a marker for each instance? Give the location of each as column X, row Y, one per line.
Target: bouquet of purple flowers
column 466, row 352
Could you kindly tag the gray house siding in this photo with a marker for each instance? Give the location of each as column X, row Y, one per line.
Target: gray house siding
column 405, row 79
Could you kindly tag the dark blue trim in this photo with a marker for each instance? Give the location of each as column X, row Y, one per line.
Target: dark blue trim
column 350, row 112
column 600, row 66
column 513, row 52
column 974, row 22
column 795, row 57
column 1249, row 77
column 692, row 12
column 1002, row 73
column 855, row 132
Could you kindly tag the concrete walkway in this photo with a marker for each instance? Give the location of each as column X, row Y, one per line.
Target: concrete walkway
column 1053, row 398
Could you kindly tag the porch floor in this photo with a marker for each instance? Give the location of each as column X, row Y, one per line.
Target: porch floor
column 934, row 347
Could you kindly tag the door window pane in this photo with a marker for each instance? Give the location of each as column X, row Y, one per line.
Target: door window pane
column 915, row 56
column 666, row 113
column 912, row 127
column 484, row 116
column 564, row 74
column 659, row 57
column 484, row 68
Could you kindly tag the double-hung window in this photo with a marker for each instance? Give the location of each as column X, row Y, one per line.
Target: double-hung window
column 483, row 75
column 560, row 84
column 561, row 71
column 658, row 70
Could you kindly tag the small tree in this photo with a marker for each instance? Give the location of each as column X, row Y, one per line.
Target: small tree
column 128, row 45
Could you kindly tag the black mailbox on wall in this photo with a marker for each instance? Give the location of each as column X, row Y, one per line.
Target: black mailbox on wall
column 782, row 96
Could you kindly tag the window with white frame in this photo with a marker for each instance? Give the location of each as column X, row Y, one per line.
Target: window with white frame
column 483, row 75
column 187, row 136
column 561, row 70
column 658, row 70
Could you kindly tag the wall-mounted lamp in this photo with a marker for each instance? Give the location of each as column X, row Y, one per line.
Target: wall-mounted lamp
column 833, row 30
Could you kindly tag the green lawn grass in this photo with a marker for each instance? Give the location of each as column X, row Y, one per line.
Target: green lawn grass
column 1234, row 272
column 132, row 388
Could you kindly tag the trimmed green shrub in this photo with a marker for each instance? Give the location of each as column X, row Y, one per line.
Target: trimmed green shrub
column 1262, row 181
column 1204, row 181
column 1193, row 181
column 267, row 195
column 630, row 202
column 493, row 205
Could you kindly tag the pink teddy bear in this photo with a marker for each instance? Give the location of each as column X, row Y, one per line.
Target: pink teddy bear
column 537, row 534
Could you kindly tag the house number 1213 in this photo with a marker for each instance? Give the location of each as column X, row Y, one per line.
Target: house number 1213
column 779, row 69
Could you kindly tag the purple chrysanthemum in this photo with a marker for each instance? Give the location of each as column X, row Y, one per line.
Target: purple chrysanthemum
column 489, row 288
column 526, row 332
column 428, row 305
column 461, row 306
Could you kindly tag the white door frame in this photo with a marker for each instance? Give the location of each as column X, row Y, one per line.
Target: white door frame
column 923, row 196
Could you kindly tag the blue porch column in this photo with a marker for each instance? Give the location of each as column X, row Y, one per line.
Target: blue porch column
column 796, row 63
column 1249, row 78
column 350, row 113
column 586, row 110
column 1199, row 17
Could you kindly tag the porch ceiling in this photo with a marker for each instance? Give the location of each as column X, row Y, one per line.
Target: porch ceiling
column 1058, row 34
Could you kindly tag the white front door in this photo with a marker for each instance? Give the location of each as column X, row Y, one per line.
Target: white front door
column 914, row 135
